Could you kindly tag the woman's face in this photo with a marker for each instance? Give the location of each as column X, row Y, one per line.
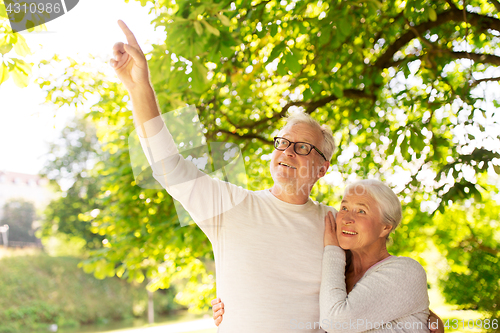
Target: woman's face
column 359, row 223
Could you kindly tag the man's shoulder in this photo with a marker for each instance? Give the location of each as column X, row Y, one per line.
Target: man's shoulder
column 311, row 204
column 324, row 207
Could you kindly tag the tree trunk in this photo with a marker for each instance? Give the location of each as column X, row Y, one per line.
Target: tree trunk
column 151, row 310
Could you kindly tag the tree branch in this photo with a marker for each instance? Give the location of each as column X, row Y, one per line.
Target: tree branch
column 476, row 82
column 481, row 22
column 309, row 106
column 479, row 243
column 482, row 58
column 244, row 136
column 496, row 4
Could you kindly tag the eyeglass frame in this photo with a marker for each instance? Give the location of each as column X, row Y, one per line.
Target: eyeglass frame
column 294, row 143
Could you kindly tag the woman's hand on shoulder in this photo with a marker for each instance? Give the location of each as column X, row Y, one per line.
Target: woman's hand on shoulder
column 217, row 310
column 436, row 325
column 330, row 237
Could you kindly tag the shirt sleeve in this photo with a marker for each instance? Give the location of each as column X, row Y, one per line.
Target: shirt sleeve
column 391, row 291
column 203, row 197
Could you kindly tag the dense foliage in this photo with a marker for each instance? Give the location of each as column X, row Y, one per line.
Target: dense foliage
column 13, row 48
column 70, row 162
column 409, row 88
column 38, row 291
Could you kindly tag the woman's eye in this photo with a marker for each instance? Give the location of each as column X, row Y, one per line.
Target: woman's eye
column 343, row 208
column 362, row 211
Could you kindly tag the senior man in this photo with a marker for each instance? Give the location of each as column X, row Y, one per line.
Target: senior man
column 267, row 244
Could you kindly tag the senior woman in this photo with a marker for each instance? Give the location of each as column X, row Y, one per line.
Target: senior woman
column 375, row 291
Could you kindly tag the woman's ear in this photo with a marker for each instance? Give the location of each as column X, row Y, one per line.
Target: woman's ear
column 386, row 230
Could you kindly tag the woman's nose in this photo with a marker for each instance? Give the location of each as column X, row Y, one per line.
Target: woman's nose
column 348, row 218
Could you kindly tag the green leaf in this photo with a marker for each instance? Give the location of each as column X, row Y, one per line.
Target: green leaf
column 281, row 70
column 307, row 94
column 21, row 47
column 277, row 50
column 198, row 11
column 292, row 62
column 223, row 19
column 274, row 30
column 199, row 77
column 211, row 29
column 432, row 14
column 198, row 28
column 377, row 3
column 496, row 168
column 20, row 74
column 4, row 73
column 337, row 90
column 3, row 13
column 5, row 46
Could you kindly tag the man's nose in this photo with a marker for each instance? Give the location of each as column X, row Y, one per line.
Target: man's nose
column 290, row 150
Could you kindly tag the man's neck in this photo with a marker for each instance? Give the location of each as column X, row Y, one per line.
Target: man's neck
column 295, row 195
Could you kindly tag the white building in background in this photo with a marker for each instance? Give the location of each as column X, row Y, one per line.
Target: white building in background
column 14, row 185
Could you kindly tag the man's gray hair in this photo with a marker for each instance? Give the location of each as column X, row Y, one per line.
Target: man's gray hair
column 387, row 201
column 328, row 145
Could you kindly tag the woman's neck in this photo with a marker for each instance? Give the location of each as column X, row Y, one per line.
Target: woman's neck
column 361, row 263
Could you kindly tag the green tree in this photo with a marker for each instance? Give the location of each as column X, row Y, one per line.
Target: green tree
column 12, row 48
column 471, row 243
column 19, row 215
column 70, row 164
column 403, row 85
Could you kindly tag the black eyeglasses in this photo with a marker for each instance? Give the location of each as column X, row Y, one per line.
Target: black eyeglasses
column 300, row 148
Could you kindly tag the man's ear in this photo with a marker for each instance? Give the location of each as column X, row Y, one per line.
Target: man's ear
column 323, row 169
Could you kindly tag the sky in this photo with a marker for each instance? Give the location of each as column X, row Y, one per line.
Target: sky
column 26, row 125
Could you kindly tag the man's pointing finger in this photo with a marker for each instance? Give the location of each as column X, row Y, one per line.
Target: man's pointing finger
column 128, row 33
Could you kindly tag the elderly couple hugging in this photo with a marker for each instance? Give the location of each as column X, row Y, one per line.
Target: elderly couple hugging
column 280, row 256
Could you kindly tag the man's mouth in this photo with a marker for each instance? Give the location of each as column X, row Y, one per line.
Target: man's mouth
column 287, row 165
column 348, row 232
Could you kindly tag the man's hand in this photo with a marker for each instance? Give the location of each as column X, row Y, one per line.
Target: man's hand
column 436, row 325
column 330, row 231
column 218, row 310
column 130, row 63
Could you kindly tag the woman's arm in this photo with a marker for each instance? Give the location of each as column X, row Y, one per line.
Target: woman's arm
column 217, row 310
column 394, row 290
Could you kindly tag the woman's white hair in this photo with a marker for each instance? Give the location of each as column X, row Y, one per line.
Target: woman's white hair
column 387, row 201
column 328, row 145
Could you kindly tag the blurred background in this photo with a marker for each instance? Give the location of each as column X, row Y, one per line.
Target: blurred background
column 409, row 88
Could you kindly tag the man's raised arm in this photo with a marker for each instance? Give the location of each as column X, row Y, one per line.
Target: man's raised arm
column 131, row 66
column 202, row 196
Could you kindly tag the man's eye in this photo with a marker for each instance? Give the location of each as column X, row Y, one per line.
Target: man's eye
column 343, row 208
column 361, row 211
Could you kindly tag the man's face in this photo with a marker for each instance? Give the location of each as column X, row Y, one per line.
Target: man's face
column 289, row 168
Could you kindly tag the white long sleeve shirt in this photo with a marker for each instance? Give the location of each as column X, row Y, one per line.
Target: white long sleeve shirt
column 390, row 297
column 268, row 253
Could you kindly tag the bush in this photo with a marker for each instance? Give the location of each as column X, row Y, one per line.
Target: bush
column 38, row 290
